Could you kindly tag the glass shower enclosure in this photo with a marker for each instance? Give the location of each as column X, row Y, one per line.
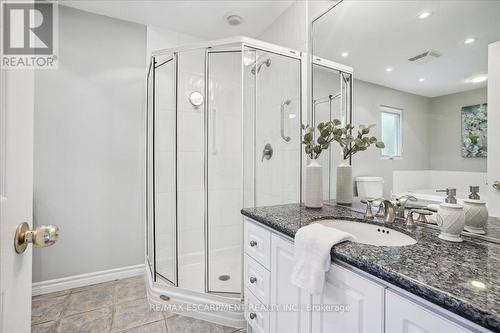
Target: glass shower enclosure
column 222, row 133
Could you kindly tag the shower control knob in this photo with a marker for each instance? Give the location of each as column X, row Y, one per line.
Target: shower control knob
column 253, row 279
column 253, row 315
column 253, row 243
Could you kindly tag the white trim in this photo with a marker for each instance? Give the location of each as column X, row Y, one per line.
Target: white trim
column 75, row 281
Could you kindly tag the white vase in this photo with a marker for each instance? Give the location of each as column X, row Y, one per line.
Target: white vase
column 344, row 184
column 314, row 185
column 451, row 220
column 476, row 216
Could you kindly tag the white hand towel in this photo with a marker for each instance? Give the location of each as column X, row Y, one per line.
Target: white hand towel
column 312, row 255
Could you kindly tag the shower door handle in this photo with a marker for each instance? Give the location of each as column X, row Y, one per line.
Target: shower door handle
column 214, row 132
column 282, row 110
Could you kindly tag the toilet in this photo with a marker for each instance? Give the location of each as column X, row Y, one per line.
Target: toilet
column 370, row 187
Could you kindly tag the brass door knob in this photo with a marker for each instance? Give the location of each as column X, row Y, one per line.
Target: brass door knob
column 496, row 185
column 43, row 236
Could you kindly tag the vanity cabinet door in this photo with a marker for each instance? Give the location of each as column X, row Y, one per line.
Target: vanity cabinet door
column 349, row 304
column 290, row 314
column 405, row 316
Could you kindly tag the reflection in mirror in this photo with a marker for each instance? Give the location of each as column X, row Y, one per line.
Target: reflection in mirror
column 423, row 82
column 331, row 100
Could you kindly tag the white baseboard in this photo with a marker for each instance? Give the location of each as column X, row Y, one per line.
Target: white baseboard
column 75, row 281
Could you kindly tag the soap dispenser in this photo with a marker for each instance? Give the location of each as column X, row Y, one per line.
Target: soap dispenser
column 450, row 195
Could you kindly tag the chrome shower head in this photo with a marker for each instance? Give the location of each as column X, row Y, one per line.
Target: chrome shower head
column 257, row 66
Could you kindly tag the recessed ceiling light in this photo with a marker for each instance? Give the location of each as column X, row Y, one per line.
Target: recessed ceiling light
column 344, row 54
column 423, row 15
column 479, row 79
column 292, row 116
column 469, row 40
column 389, row 69
column 233, row 19
column 421, row 79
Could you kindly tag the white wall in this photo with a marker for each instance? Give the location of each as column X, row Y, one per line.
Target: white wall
column 89, row 147
column 290, row 29
column 367, row 99
column 160, row 38
column 445, row 130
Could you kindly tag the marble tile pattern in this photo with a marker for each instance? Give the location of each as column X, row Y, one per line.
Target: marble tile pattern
column 436, row 270
column 111, row 307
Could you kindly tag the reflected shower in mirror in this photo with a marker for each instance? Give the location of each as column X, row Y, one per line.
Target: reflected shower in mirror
column 423, row 83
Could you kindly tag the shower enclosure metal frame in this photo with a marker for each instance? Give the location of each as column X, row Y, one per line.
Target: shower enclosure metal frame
column 157, row 291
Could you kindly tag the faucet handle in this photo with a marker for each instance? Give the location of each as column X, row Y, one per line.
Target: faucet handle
column 378, row 203
column 410, row 222
column 368, row 202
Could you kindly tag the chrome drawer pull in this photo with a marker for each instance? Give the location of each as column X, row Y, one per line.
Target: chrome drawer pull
column 253, row 315
column 253, row 279
column 253, row 243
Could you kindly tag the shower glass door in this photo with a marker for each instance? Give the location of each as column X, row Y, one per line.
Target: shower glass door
column 275, row 81
column 224, row 176
column 164, row 174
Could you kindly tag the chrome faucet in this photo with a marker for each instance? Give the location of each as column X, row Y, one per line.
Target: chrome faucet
column 387, row 210
column 401, row 204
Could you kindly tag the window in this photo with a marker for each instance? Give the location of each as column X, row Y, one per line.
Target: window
column 390, row 123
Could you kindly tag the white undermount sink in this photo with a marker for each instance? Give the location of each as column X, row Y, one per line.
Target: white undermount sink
column 370, row 234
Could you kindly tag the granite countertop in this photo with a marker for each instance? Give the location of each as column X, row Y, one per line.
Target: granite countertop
column 439, row 271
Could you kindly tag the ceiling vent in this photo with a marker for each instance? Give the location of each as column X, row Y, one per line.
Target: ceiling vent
column 425, row 57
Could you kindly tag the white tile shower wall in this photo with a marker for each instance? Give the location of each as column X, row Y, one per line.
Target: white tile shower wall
column 277, row 179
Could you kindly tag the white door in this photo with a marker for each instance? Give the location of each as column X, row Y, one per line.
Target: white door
column 284, row 294
column 349, row 304
column 494, row 129
column 16, row 196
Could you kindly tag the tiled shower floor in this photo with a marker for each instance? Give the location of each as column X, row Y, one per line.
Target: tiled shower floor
column 116, row 306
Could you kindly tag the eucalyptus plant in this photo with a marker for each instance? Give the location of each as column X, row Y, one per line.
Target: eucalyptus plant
column 332, row 131
column 325, row 130
column 352, row 144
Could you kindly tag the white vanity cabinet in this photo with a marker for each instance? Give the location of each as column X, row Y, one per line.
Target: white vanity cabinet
column 292, row 314
column 351, row 302
column 405, row 316
column 273, row 304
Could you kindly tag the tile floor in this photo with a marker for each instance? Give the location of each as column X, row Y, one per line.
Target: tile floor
column 116, row 306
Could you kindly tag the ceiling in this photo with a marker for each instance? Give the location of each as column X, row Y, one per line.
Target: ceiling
column 385, row 34
column 199, row 18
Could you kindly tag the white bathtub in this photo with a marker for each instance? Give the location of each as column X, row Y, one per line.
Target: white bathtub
column 423, row 184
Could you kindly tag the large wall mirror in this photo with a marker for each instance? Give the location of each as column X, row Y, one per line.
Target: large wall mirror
column 420, row 74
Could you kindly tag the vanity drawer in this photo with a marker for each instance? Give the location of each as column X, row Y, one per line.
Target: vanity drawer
column 258, row 243
column 256, row 314
column 257, row 279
